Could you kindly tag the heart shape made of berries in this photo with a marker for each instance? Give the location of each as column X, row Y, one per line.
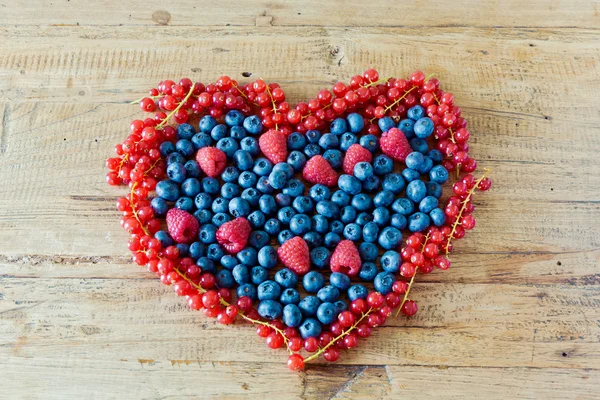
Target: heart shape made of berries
column 300, row 212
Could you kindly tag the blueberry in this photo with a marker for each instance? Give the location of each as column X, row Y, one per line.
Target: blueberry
column 320, row 223
column 185, row 131
column 258, row 239
column 363, row 218
column 370, row 232
column 207, row 123
column 363, row 170
column 428, row 204
column 438, row 174
column 438, row 217
column 309, row 305
column 367, row 271
column 418, row 222
column 416, row 190
column 230, row 174
column 224, row 279
column 200, row 140
column 175, row 158
column 339, row 280
column 383, row 282
column 269, row 309
column 435, row 155
column 312, row 150
column 313, row 239
column 185, row 147
column 381, row 216
column 341, row 198
column 416, row 112
column 259, row 275
column 237, row 132
column 206, row 264
column 220, row 218
column 310, row 328
column 285, row 168
column 348, row 214
column 338, row 126
column 283, row 200
column 159, row 206
column 262, row 167
column 320, row 257
column 390, row 261
column 334, row 158
column 234, row 118
column 329, row 141
column 327, row 313
column 218, row 132
column 269, row 290
column 368, row 251
column 166, row 148
column 289, row 296
column 384, row 198
column 382, row 165
column 253, row 125
column 243, row 160
column 424, row 127
column 267, row 257
column 247, row 289
column 292, row 316
column 336, row 227
column 203, row 201
column 247, row 180
column 386, row 123
column 272, row 226
column 302, row 204
column 414, row 160
column 284, row 236
column 250, row 145
column 248, row 256
column 313, row 281
column 228, row 146
column 197, row 250
column 407, row 126
column 263, row 185
column 319, row 192
column 419, row 145
column 347, row 140
column 403, row 206
column 257, row 219
column 356, row 123
column 185, row 204
column 230, row 190
column 331, row 239
column 219, row 205
column 296, row 141
column 398, row 221
column 207, row 233
column 390, row 238
column 371, row 184
column 426, row 166
column 340, row 306
column 203, row 216
column 328, row 293
column 214, row 252
column 267, row 205
column 349, row 184
column 357, row 291
column 211, row 185
column 352, row 232
column 313, row 136
column 190, row 187
column 300, row 224
column 370, row 142
column 193, row 169
column 286, row 278
column 297, row 160
column 239, row 207
column 393, row 182
column 164, row 238
column 362, row 202
column 277, row 179
column 328, row 209
column 410, row 174
column 285, row 215
column 176, row 172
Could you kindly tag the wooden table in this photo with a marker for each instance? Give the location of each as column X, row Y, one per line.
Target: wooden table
column 518, row 314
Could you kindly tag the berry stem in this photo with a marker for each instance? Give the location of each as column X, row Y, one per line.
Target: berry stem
column 181, row 103
column 142, row 98
column 412, row 280
column 384, row 80
column 388, row 108
column 274, row 105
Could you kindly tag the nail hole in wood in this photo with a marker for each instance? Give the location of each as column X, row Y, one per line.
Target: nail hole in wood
column 246, row 74
column 559, row 263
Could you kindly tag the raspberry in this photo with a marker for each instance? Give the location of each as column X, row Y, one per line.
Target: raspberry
column 355, row 154
column 345, row 258
column 211, row 160
column 273, row 144
column 182, row 226
column 318, row 170
column 294, row 254
column 233, row 235
column 394, row 144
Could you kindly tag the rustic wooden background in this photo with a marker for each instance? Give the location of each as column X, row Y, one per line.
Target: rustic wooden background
column 517, row 316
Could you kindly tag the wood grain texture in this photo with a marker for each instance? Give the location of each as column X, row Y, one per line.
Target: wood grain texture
column 518, row 314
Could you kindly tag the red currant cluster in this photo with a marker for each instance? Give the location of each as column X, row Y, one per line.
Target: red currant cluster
column 139, row 165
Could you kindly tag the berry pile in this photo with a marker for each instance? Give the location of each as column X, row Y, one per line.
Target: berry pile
column 298, row 212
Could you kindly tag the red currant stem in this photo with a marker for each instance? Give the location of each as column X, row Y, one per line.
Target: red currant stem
column 142, row 98
column 449, row 129
column 168, row 117
column 274, row 105
column 241, row 92
column 412, row 280
column 339, row 337
column 276, row 329
column 388, row 108
column 384, row 80
column 464, row 206
column 123, row 161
